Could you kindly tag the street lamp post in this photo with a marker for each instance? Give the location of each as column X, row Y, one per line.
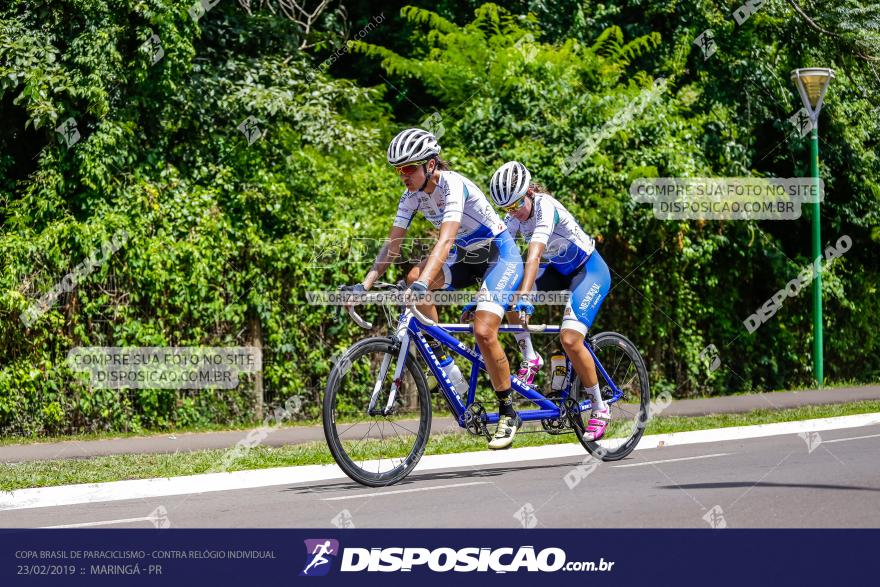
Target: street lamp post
column 811, row 84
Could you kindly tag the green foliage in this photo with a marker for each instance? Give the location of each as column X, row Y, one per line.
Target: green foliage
column 221, row 232
column 226, row 237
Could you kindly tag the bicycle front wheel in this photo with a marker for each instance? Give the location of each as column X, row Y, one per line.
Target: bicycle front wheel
column 376, row 447
column 629, row 414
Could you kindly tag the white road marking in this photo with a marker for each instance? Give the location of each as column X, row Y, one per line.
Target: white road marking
column 103, row 523
column 378, row 494
column 197, row 484
column 720, row 454
column 853, row 438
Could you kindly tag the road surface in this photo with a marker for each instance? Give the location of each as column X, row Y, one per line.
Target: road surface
column 774, row 481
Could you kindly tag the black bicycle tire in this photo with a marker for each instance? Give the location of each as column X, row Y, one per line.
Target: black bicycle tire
column 613, row 338
column 355, row 473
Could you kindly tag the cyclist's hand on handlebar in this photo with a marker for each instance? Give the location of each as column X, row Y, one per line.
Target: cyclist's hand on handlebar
column 416, row 292
column 355, row 291
column 525, row 309
column 467, row 313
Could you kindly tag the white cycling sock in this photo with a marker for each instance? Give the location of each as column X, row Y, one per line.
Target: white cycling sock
column 596, row 397
column 525, row 345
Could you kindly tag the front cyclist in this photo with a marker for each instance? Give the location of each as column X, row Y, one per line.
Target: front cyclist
column 572, row 263
column 483, row 249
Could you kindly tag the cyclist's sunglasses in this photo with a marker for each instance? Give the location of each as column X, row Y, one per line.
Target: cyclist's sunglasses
column 515, row 206
column 409, row 168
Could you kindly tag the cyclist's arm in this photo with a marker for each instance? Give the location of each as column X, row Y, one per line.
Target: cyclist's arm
column 530, row 271
column 448, row 232
column 545, row 220
column 453, row 212
column 387, row 255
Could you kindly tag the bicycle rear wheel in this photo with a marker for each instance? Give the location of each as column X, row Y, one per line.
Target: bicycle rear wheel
column 376, row 449
column 630, row 413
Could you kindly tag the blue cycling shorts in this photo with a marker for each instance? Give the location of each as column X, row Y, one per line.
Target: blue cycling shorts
column 588, row 285
column 499, row 264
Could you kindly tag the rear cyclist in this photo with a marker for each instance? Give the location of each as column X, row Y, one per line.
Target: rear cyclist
column 572, row 263
column 482, row 249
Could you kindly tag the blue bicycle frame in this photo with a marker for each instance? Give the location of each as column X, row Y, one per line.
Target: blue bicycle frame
column 410, row 328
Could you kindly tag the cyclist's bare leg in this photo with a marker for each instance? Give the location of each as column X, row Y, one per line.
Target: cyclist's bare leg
column 486, row 325
column 581, row 360
column 486, row 332
column 585, row 367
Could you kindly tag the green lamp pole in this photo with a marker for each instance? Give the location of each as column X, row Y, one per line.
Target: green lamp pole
column 811, row 84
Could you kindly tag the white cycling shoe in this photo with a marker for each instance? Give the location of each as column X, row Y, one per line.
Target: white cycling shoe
column 505, row 431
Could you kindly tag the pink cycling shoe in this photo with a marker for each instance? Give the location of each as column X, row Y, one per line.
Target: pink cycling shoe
column 528, row 370
column 599, row 420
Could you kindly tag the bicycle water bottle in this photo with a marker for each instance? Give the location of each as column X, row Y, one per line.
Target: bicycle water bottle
column 558, row 371
column 459, row 385
column 457, row 379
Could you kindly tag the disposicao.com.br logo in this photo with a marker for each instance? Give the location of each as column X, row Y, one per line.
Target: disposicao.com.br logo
column 440, row 560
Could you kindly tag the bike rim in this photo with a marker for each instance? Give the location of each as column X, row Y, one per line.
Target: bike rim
column 377, row 446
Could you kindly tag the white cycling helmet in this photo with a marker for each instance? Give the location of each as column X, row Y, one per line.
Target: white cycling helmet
column 413, row 144
column 509, row 183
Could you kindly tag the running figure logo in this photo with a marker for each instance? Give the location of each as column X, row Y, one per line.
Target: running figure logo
column 317, row 552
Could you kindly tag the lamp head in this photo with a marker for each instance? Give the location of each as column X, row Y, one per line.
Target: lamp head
column 812, row 83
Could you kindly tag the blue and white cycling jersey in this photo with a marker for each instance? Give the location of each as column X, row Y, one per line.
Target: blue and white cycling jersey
column 458, row 199
column 567, row 246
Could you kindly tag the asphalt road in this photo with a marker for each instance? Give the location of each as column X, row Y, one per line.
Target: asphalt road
column 763, row 482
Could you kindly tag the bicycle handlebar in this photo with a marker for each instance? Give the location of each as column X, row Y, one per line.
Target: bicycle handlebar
column 357, row 319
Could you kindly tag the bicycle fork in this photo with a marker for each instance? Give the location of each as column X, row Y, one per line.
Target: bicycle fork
column 402, row 335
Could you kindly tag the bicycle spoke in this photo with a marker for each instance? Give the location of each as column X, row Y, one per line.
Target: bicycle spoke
column 347, row 429
column 626, row 385
column 401, row 426
column 614, row 371
column 364, row 437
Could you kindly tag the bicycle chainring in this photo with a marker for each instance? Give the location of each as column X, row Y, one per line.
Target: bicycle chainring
column 475, row 420
column 559, row 424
